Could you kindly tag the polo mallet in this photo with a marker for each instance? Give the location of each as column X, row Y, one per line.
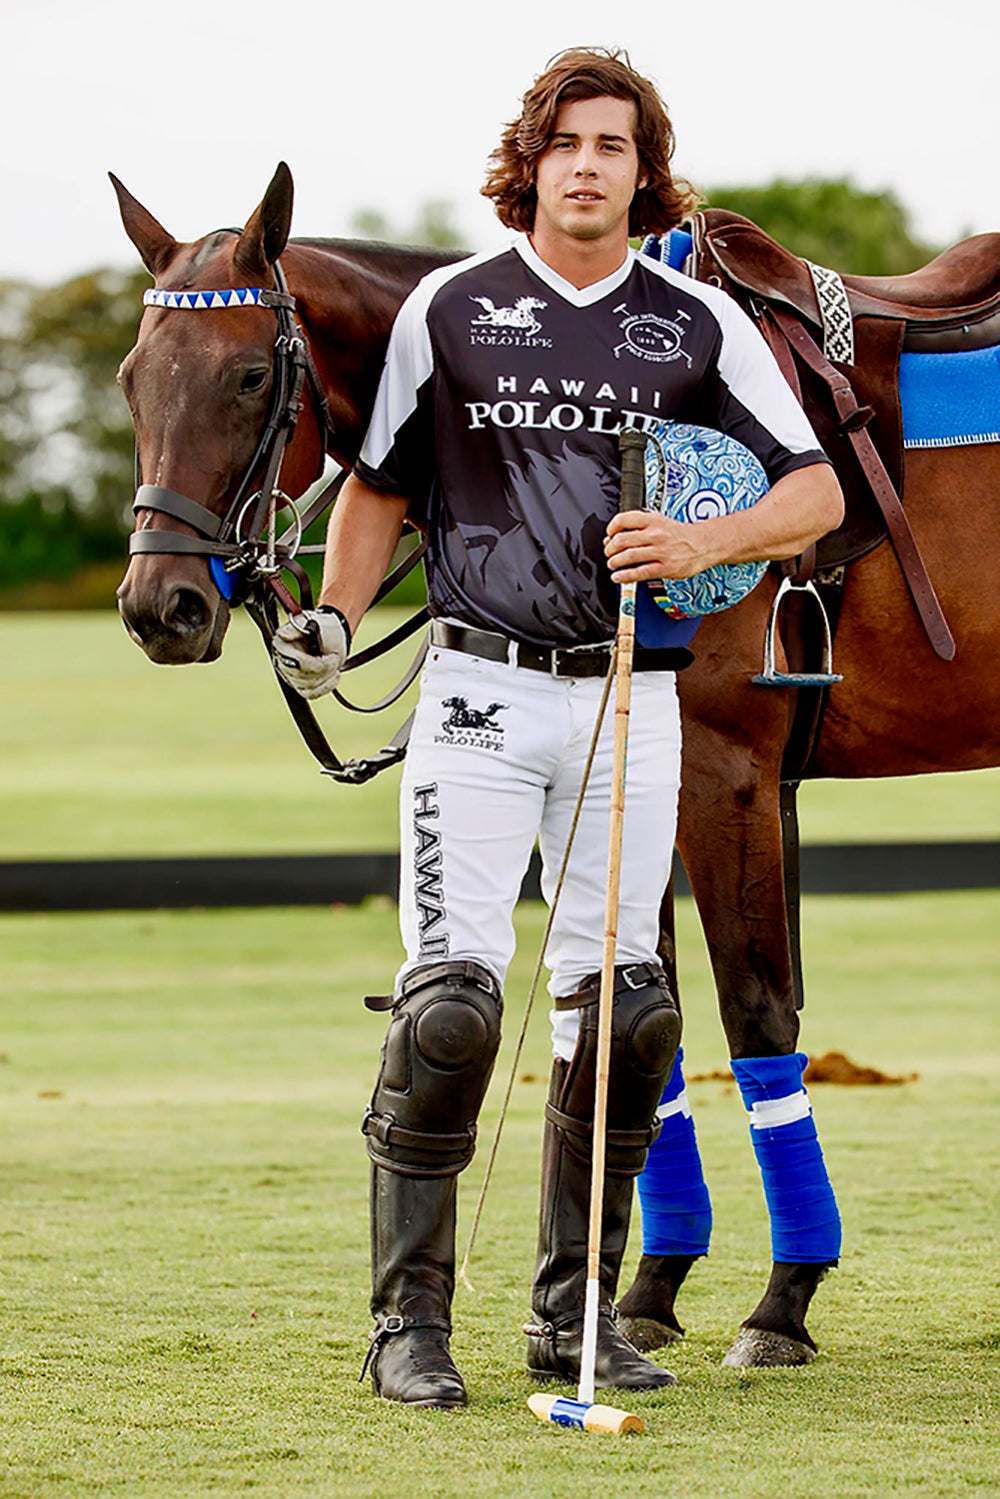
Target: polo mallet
column 582, row 1412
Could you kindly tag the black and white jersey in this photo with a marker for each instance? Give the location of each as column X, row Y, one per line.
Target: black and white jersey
column 503, row 393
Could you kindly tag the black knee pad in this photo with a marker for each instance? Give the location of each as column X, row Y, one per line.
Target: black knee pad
column 437, row 1060
column 645, row 1034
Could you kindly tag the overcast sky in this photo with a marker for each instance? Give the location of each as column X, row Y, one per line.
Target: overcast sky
column 386, row 105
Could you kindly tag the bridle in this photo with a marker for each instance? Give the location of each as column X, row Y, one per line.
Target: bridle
column 242, row 544
column 246, row 556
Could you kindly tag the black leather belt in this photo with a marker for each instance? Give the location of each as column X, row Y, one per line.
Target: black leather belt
column 556, row 660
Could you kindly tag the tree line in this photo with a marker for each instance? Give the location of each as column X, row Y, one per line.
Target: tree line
column 66, row 452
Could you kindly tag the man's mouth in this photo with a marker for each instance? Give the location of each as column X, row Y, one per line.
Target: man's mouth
column 586, row 197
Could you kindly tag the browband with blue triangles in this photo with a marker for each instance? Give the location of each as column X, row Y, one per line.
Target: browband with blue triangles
column 241, row 296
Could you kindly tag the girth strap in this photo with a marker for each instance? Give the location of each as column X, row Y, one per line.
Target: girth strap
column 853, row 421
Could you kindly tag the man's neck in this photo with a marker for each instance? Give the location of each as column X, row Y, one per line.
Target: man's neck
column 581, row 262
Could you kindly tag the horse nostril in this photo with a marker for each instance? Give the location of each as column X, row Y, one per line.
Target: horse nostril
column 187, row 612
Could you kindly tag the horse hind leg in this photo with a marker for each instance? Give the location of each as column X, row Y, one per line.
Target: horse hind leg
column 805, row 1222
column 774, row 1335
column 742, row 905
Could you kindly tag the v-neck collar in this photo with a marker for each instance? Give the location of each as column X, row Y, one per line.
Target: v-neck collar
column 578, row 296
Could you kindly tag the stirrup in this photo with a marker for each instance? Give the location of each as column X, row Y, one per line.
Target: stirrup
column 770, row 677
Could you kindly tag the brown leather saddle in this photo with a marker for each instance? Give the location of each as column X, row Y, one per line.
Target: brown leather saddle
column 951, row 304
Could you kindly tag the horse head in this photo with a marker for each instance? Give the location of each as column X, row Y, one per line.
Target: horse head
column 199, row 386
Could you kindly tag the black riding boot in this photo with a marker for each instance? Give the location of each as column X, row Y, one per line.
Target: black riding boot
column 555, row 1337
column 645, row 1035
column 413, row 1278
column 421, row 1133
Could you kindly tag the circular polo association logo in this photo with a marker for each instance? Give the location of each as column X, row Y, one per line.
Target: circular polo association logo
column 652, row 337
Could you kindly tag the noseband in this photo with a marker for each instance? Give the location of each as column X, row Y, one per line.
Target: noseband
column 239, row 551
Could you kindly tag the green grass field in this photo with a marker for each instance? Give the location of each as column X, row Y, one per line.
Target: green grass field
column 105, row 754
column 184, row 1256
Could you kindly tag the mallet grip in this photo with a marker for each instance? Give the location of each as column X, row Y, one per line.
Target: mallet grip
column 632, row 446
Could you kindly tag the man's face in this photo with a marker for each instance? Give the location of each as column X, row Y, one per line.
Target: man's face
column 587, row 174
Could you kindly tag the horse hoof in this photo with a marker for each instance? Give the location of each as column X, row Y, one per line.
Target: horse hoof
column 756, row 1349
column 645, row 1334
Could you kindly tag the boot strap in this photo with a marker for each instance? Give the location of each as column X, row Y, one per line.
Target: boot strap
column 384, row 1129
column 583, row 1129
column 455, row 974
column 388, row 1327
column 551, row 1332
column 629, row 976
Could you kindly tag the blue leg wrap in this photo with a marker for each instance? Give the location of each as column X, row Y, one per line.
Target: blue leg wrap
column 676, row 1211
column 805, row 1223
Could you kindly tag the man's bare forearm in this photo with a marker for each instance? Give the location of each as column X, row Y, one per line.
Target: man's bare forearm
column 800, row 508
column 362, row 535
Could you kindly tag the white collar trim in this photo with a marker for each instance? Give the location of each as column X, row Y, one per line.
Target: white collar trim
column 579, row 296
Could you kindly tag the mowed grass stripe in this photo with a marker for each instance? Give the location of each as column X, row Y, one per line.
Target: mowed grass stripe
column 104, row 754
column 184, row 1241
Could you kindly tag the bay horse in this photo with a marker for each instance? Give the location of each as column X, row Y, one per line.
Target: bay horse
column 199, row 389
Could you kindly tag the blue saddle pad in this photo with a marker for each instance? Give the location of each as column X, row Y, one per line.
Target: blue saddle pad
column 950, row 400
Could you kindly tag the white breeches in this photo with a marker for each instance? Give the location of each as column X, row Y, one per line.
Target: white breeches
column 495, row 761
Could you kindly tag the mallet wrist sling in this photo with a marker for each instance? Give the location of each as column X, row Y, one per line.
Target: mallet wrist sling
column 556, row 661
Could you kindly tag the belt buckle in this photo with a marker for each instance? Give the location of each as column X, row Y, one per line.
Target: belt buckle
column 582, row 652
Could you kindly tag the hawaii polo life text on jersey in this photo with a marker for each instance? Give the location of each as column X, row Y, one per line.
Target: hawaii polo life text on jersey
column 498, row 412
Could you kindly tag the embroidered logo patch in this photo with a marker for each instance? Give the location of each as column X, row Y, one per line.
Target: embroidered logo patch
column 511, row 326
column 476, row 728
column 649, row 336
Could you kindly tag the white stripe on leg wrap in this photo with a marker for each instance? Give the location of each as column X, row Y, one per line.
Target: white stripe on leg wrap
column 678, row 1105
column 767, row 1113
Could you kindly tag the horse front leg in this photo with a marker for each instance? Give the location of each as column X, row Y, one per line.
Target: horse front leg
column 730, row 838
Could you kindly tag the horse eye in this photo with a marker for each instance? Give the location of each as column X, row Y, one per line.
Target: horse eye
column 253, row 380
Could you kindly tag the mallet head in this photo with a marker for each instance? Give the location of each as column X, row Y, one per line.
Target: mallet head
column 560, row 1411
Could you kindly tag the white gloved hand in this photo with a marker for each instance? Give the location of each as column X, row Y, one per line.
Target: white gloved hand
column 310, row 650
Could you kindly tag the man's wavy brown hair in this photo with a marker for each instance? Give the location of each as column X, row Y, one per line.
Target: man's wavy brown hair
column 589, row 73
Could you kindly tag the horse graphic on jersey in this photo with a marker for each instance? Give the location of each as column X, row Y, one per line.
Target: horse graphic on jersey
column 521, row 315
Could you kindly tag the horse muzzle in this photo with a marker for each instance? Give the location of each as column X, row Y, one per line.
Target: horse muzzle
column 175, row 623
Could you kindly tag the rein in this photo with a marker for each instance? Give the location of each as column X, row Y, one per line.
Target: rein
column 246, row 556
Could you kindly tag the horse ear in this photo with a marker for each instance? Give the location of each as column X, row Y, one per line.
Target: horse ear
column 150, row 238
column 267, row 228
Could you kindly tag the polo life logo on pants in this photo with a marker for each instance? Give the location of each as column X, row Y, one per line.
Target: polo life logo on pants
column 475, row 728
column 428, row 874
